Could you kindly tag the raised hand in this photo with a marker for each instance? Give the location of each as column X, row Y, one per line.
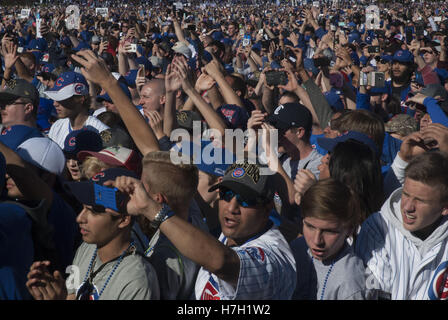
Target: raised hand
column 43, row 285
column 303, row 181
column 204, row 82
column 10, row 54
column 93, row 68
column 155, row 122
column 438, row 133
column 172, row 80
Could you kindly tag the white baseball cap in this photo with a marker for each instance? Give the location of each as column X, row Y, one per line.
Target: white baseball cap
column 44, row 153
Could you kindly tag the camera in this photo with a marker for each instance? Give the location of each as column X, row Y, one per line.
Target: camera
column 275, row 78
column 133, row 48
column 373, row 49
column 321, row 62
column 373, row 79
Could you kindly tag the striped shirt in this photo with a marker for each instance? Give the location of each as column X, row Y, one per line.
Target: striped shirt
column 267, row 272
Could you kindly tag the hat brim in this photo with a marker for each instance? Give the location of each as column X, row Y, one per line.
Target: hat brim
column 62, row 94
column 82, row 155
column 273, row 120
column 83, row 191
column 327, row 143
column 6, row 97
column 238, row 188
column 104, row 97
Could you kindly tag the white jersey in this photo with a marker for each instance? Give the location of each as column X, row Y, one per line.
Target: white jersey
column 267, row 271
column 401, row 264
column 61, row 129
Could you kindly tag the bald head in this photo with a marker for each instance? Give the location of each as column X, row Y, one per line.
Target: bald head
column 152, row 96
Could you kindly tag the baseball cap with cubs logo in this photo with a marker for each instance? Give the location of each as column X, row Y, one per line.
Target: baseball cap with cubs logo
column 82, row 140
column 68, row 84
column 247, row 180
column 116, row 156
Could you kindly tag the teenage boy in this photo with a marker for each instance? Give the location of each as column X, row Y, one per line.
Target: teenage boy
column 109, row 265
column 404, row 245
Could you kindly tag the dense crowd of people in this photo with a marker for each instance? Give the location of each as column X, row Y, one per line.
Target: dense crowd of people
column 224, row 150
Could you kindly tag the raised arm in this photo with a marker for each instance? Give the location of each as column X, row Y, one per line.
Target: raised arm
column 95, row 70
column 193, row 243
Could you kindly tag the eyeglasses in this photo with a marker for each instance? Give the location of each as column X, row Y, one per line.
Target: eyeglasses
column 227, row 195
column 426, row 51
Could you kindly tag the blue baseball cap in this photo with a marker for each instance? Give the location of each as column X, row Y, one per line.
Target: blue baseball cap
column 92, row 193
column 44, row 113
column 14, row 136
column 308, row 64
column 330, row 143
column 144, row 61
column 386, row 57
column 334, row 100
column 82, row 140
column 66, row 41
column 37, row 44
column 404, row 56
column 234, row 116
column 68, row 84
column 217, row 35
column 82, row 45
column 354, row 37
column 123, row 86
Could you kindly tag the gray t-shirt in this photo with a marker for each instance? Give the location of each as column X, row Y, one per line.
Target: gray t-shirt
column 134, row 278
column 345, row 281
column 176, row 273
column 311, row 163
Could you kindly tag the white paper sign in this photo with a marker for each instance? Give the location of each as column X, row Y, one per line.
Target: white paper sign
column 25, row 13
column 432, row 24
column 372, row 17
column 72, row 14
column 38, row 24
column 102, row 11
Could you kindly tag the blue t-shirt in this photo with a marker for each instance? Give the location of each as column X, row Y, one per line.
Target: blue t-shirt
column 62, row 218
column 16, row 250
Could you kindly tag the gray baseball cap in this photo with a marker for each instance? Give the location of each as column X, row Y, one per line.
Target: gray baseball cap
column 19, row 88
column 403, row 124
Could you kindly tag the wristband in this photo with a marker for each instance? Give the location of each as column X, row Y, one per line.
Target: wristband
column 164, row 214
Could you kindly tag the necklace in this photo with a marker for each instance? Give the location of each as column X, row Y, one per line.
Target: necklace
column 91, row 275
column 326, row 279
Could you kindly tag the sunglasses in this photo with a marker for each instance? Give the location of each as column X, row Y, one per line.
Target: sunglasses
column 426, row 51
column 227, row 195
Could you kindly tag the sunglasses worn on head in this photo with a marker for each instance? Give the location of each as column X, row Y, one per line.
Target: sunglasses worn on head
column 227, row 195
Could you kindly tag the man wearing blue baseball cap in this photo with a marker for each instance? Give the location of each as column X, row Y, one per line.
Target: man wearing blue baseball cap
column 402, row 68
column 71, row 101
column 106, row 231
